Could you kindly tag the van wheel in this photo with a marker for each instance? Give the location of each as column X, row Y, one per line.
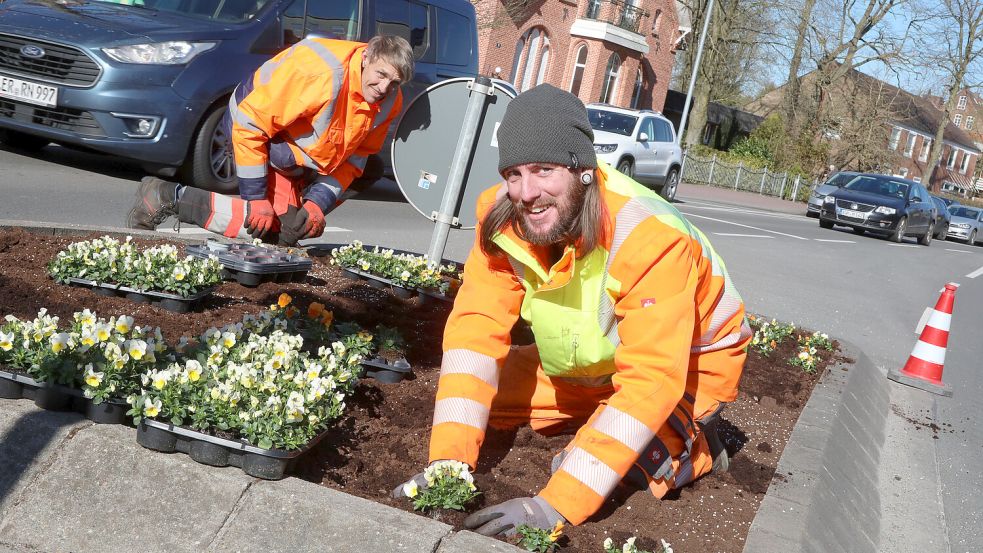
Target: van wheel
column 926, row 239
column 672, row 183
column 211, row 165
column 898, row 233
column 859, row 230
column 943, row 231
column 823, row 223
column 23, row 141
column 627, row 168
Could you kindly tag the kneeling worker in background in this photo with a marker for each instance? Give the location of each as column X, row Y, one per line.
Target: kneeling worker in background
column 303, row 127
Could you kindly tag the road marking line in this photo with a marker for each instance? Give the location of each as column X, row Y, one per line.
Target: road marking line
column 747, row 226
column 975, row 273
column 903, row 245
column 835, row 241
column 742, row 235
column 959, row 251
column 730, row 209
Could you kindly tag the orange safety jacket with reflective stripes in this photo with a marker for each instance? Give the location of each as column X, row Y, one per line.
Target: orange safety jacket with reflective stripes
column 667, row 306
column 304, row 109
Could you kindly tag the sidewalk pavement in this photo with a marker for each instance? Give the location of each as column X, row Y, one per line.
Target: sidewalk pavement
column 844, row 483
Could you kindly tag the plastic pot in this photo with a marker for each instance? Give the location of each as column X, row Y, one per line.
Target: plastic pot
column 107, row 412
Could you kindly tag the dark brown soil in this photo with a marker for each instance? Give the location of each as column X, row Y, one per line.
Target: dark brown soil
column 383, row 438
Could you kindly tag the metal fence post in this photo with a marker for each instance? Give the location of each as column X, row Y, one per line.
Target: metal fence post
column 795, row 189
column 737, row 181
column 682, row 167
column 713, row 161
column 764, row 175
column 784, row 180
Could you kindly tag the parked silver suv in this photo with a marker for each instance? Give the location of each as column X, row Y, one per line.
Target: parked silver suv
column 640, row 144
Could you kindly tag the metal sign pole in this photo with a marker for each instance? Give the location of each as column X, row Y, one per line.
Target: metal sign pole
column 481, row 89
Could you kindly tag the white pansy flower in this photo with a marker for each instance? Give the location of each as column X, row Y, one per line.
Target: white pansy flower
column 60, row 341
column 124, row 324
column 93, row 378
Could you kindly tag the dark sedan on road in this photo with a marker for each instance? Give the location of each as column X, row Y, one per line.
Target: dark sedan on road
column 942, row 217
column 883, row 204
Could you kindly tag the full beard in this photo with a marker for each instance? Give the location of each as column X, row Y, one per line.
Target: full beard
column 568, row 208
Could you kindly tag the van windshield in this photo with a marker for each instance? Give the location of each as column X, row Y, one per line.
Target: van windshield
column 610, row 121
column 233, row 11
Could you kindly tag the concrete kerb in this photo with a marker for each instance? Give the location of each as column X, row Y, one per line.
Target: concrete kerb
column 831, row 467
column 87, row 464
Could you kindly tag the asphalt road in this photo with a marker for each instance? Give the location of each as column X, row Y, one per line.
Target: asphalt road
column 860, row 288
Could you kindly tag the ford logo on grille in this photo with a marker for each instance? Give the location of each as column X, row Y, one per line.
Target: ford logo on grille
column 31, row 51
column 853, row 206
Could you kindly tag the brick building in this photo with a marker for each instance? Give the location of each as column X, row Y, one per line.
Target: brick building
column 907, row 122
column 967, row 116
column 615, row 51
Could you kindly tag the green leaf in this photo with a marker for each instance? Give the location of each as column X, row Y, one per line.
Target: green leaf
column 265, row 443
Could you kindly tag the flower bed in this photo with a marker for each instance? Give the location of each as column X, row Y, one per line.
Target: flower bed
column 381, row 439
column 404, row 271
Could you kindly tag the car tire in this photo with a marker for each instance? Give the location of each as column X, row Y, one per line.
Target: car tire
column 210, row 165
column 972, row 238
column 859, row 231
column 669, row 188
column 23, row 141
column 943, row 231
column 825, row 224
column 626, row 168
column 898, row 234
column 926, row 239
column 812, row 214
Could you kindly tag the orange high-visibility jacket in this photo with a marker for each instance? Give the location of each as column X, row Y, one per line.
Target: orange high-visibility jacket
column 675, row 319
column 304, row 109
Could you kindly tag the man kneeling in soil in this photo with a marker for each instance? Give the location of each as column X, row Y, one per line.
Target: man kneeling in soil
column 639, row 332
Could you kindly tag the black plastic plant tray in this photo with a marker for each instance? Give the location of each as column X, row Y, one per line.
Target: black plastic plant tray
column 268, row 464
column 170, row 302
column 60, row 398
column 383, row 371
column 252, row 265
column 383, row 283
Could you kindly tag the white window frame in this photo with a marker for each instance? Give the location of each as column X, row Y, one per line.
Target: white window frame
column 962, row 103
column 895, row 139
column 636, row 92
column 926, row 148
column 909, row 147
column 578, row 66
column 964, row 165
column 952, row 159
column 969, row 122
column 612, row 78
column 656, row 19
column 532, row 52
column 958, row 119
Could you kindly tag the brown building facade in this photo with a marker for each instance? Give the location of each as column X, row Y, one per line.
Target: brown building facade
column 614, row 51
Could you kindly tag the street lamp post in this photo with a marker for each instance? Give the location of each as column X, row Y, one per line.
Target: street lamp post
column 696, row 68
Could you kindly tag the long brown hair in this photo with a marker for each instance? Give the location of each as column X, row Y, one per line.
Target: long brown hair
column 587, row 230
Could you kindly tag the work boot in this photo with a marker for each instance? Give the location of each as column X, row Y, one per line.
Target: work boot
column 721, row 461
column 155, row 202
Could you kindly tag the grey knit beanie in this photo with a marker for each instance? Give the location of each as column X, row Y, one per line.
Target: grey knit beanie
column 548, row 125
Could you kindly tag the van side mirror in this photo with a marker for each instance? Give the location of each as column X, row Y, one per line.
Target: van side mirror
column 643, row 137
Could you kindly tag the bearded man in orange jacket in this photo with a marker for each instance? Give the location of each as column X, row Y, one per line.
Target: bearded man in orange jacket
column 639, row 333
column 303, row 128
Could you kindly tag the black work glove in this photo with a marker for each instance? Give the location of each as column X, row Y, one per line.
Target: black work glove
column 506, row 517
column 292, row 225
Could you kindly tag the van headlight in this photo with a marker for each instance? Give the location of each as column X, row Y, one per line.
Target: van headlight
column 829, row 200
column 605, row 148
column 173, row 52
column 886, row 210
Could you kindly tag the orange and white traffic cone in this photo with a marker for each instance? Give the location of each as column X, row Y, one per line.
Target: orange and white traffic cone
column 924, row 367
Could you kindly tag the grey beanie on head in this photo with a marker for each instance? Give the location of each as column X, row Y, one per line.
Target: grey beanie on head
column 546, row 125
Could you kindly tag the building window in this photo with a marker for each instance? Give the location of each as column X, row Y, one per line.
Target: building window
column 903, row 172
column 958, row 119
column 578, row 70
column 965, row 164
column 969, row 122
column 909, row 147
column 611, row 78
column 636, row 95
column 656, row 19
column 962, row 103
column 926, row 147
column 952, row 158
column 532, row 52
column 593, row 9
column 895, row 138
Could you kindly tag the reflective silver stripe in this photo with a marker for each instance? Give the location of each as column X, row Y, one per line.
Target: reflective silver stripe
column 726, row 308
column 309, row 161
column 478, row 365
column 221, row 213
column 725, row 342
column 241, row 118
column 460, row 410
column 680, row 428
column 518, row 268
column 591, row 471
column 320, row 125
column 358, row 161
column 385, row 109
column 587, row 381
column 685, row 474
column 267, row 69
column 331, row 182
column 251, row 171
column 623, row 427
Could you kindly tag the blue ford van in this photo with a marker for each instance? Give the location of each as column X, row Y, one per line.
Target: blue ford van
column 150, row 79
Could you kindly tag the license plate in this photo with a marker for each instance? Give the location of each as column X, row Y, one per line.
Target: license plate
column 26, row 91
column 853, row 214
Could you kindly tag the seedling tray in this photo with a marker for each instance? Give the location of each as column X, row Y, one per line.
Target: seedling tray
column 170, row 302
column 60, row 398
column 398, row 290
column 384, row 371
column 252, row 265
column 268, row 464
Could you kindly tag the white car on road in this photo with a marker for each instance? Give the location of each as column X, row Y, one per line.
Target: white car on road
column 639, row 143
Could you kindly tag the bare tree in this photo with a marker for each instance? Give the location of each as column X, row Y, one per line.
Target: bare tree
column 792, row 90
column 955, row 49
